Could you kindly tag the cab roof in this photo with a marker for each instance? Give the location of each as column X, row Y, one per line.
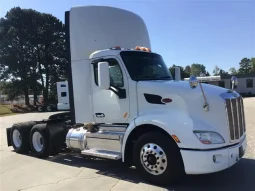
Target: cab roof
column 116, row 51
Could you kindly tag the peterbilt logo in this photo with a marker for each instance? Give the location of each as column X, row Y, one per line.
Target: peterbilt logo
column 100, row 115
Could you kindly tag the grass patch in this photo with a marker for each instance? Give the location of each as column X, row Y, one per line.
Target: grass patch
column 5, row 110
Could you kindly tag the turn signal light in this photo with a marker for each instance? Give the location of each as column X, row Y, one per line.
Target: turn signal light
column 177, row 140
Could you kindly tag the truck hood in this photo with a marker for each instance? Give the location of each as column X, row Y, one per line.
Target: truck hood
column 182, row 89
column 188, row 101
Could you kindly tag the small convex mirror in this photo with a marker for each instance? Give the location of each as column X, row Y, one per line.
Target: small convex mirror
column 193, row 82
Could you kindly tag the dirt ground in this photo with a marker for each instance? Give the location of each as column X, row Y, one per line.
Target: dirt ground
column 68, row 171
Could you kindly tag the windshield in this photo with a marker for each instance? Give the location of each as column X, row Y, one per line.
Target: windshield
column 145, row 66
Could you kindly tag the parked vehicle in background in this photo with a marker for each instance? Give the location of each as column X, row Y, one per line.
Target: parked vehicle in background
column 63, row 100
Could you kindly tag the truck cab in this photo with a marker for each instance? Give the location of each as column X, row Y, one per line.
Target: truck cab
column 125, row 105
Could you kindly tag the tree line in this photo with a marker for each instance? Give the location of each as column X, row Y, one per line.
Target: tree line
column 246, row 66
column 33, row 56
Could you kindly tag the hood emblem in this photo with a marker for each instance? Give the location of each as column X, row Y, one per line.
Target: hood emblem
column 166, row 100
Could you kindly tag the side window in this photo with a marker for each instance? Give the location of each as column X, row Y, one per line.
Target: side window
column 116, row 76
column 249, row 83
column 63, row 94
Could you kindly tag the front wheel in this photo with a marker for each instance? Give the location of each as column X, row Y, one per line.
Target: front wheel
column 158, row 158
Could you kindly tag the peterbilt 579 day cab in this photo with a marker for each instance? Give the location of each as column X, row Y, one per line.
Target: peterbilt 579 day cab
column 125, row 105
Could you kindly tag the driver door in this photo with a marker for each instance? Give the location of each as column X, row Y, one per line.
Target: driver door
column 110, row 106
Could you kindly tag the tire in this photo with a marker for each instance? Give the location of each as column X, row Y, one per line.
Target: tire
column 40, row 108
column 49, row 108
column 39, row 139
column 20, row 136
column 163, row 158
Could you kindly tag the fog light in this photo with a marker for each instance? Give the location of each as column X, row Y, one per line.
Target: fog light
column 217, row 158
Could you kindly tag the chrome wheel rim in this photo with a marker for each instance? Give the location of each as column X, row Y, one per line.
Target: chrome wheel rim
column 16, row 137
column 37, row 141
column 40, row 108
column 153, row 159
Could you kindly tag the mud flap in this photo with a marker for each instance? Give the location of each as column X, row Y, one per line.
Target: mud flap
column 8, row 134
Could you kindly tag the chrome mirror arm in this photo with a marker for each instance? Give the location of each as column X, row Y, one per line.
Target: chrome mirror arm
column 193, row 82
column 206, row 105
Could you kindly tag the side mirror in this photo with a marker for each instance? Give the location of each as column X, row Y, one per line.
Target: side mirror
column 234, row 82
column 103, row 75
column 193, row 82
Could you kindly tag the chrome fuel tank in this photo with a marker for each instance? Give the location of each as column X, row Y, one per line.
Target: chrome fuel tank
column 76, row 139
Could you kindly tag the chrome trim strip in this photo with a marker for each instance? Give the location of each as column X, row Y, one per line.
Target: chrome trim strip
column 235, row 115
column 231, row 106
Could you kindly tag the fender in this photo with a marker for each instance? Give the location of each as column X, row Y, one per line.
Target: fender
column 174, row 122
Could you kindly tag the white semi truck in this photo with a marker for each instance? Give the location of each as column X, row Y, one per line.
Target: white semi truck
column 63, row 96
column 126, row 106
column 63, row 99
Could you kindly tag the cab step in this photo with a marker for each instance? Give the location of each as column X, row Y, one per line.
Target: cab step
column 102, row 154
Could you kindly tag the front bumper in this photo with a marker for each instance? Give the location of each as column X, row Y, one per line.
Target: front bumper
column 203, row 162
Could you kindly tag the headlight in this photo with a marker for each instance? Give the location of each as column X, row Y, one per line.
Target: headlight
column 209, row 137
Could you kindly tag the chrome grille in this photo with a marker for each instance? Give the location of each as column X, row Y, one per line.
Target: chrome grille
column 235, row 114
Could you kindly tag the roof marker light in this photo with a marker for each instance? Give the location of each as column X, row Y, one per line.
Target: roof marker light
column 115, row 48
column 142, row 48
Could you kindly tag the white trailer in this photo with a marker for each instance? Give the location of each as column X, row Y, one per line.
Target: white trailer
column 125, row 105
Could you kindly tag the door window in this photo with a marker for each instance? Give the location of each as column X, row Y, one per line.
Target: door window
column 116, row 76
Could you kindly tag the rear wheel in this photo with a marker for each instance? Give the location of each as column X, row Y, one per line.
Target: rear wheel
column 40, row 108
column 158, row 158
column 39, row 141
column 20, row 136
column 49, row 108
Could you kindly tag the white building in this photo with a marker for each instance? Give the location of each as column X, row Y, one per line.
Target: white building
column 246, row 83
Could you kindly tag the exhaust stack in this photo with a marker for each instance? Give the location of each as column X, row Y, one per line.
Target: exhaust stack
column 177, row 72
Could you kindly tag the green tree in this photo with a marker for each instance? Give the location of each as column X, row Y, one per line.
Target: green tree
column 32, row 50
column 184, row 74
column 233, row 71
column 223, row 72
column 198, row 70
column 216, row 71
column 187, row 70
column 245, row 66
column 10, row 89
column 253, row 64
